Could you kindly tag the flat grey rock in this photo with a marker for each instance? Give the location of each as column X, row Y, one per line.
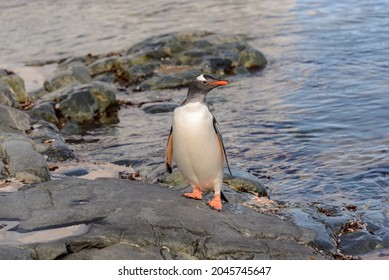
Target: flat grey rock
column 135, row 220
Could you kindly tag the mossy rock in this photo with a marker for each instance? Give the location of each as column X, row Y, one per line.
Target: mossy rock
column 241, row 181
column 16, row 83
column 91, row 103
column 74, row 73
column 172, row 60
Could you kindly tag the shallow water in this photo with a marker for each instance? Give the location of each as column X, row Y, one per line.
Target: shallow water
column 314, row 125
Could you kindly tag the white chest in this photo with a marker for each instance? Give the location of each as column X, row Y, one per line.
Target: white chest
column 194, row 118
column 196, row 148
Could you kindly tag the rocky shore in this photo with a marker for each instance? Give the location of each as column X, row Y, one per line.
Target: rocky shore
column 120, row 219
column 43, row 217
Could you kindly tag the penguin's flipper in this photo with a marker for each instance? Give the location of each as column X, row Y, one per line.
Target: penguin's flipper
column 220, row 138
column 169, row 152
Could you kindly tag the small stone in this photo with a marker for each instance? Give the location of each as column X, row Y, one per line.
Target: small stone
column 76, row 172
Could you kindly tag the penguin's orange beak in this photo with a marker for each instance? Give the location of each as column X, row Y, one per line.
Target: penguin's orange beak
column 219, row 83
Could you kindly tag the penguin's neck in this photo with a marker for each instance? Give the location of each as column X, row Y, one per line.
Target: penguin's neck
column 198, row 98
column 195, row 94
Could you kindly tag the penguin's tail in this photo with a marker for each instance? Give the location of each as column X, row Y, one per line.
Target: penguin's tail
column 223, row 197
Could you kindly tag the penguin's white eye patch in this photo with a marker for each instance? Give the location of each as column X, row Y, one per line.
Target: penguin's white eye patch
column 201, row 78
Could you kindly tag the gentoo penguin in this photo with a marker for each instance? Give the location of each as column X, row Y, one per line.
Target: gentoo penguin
column 195, row 142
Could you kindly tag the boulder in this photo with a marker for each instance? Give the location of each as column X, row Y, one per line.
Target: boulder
column 74, row 73
column 13, row 120
column 49, row 142
column 90, row 103
column 23, row 161
column 17, row 151
column 7, row 97
column 44, row 111
column 2, row 170
column 172, row 60
column 15, row 83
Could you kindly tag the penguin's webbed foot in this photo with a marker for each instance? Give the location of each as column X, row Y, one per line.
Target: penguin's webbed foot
column 216, row 203
column 195, row 194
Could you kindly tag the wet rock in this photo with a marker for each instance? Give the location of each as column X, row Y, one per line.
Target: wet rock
column 49, row 142
column 309, row 218
column 174, row 180
column 91, row 103
column 2, row 170
column 104, row 65
column 44, row 111
column 172, row 60
column 189, row 48
column 169, row 80
column 361, row 242
column 160, row 107
column 23, row 161
column 76, row 172
column 244, row 182
column 128, row 162
column 17, row 151
column 16, row 83
column 134, row 220
column 38, row 93
column 241, row 181
column 74, row 73
column 106, row 78
column 363, row 233
column 7, row 96
column 13, row 120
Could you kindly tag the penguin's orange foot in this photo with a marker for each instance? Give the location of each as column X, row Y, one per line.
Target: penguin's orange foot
column 216, row 203
column 195, row 194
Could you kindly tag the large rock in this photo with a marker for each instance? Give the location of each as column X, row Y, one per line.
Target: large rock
column 2, row 170
column 93, row 102
column 134, row 220
column 13, row 120
column 17, row 151
column 172, row 60
column 7, row 96
column 16, row 84
column 74, row 73
column 23, row 161
column 85, row 105
column 44, row 111
column 49, row 142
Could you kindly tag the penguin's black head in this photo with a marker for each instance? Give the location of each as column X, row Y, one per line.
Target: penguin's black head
column 200, row 87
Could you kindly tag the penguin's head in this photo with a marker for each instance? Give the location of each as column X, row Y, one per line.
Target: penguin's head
column 200, row 87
